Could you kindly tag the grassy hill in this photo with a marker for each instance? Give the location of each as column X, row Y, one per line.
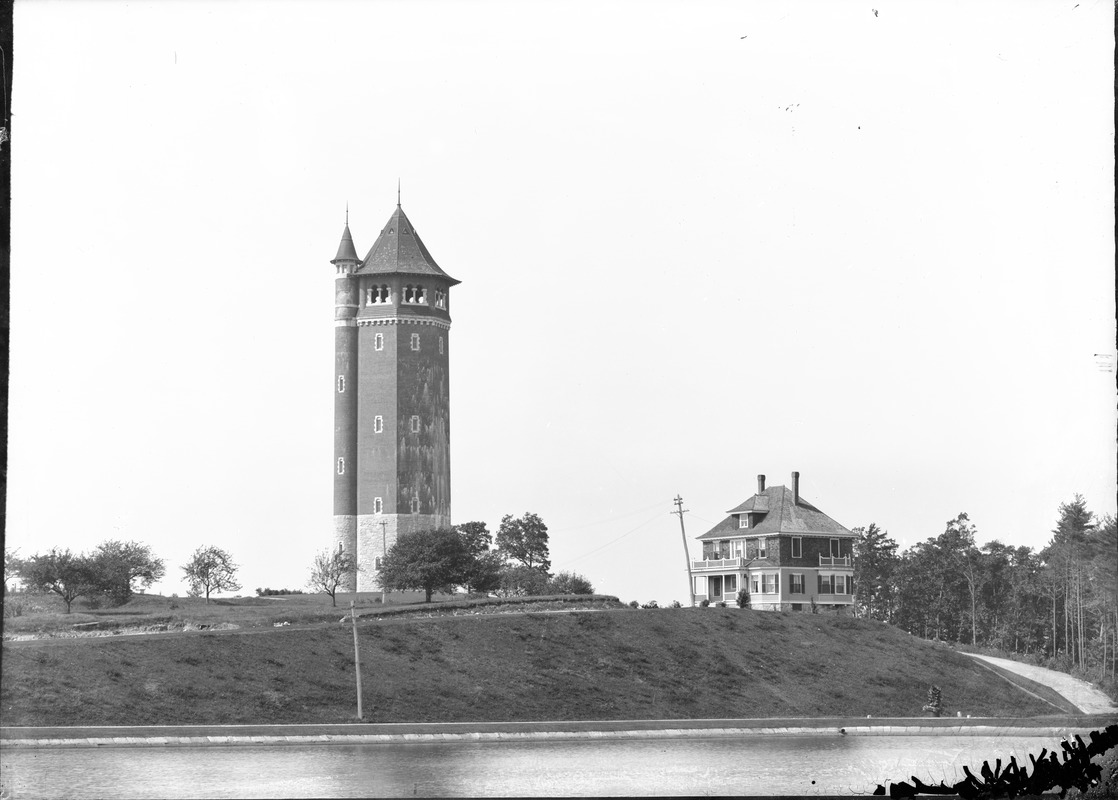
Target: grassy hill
column 606, row 664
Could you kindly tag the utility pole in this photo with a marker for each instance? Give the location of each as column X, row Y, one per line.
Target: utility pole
column 384, row 550
column 356, row 655
column 680, row 511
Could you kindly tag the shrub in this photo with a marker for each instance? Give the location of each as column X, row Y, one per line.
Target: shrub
column 276, row 592
column 743, row 598
column 676, row 604
column 651, row 604
column 569, row 583
column 721, row 603
column 704, row 602
column 634, row 604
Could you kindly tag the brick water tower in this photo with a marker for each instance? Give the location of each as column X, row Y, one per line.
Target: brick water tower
column 391, row 394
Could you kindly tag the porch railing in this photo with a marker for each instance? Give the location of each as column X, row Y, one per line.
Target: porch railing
column 718, row 563
column 834, row 561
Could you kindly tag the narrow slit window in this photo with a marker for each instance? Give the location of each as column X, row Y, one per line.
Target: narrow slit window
column 415, row 424
column 378, row 505
column 378, row 341
column 341, row 384
column 415, row 341
column 415, row 505
column 341, row 466
column 378, row 424
column 442, row 346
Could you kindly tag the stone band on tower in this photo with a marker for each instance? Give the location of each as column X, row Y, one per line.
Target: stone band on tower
column 392, row 395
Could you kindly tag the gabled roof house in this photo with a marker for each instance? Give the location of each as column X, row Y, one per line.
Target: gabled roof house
column 784, row 551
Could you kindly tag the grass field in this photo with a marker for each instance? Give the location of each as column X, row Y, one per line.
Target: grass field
column 616, row 664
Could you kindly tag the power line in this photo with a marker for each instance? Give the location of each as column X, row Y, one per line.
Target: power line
column 609, row 519
column 611, row 541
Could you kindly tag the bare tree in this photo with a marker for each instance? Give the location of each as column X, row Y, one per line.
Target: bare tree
column 210, row 569
column 331, row 570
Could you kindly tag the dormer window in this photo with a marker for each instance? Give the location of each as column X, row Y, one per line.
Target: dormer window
column 743, row 520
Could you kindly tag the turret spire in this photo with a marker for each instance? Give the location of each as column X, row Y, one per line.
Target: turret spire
column 397, row 193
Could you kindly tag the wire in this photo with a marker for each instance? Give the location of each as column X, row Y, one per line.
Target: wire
column 611, row 541
column 610, row 519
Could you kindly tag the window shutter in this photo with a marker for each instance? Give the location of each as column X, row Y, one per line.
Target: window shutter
column 820, row 589
column 776, row 583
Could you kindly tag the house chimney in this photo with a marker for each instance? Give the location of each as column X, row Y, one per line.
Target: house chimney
column 760, row 484
column 796, row 488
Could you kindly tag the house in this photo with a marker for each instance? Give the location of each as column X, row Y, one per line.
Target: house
column 785, row 551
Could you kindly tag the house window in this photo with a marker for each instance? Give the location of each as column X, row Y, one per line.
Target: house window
column 442, row 346
column 708, row 551
column 731, row 583
column 378, row 505
column 743, row 520
column 724, row 549
column 415, row 505
column 797, row 583
column 440, row 298
column 797, row 547
column 739, row 548
column 770, row 584
column 415, row 295
column 762, row 548
column 378, row 424
column 834, row 548
column 378, row 341
column 714, row 585
column 415, row 342
column 377, row 562
column 826, row 584
column 341, row 466
column 414, row 424
column 840, row 584
column 341, row 384
column 754, row 584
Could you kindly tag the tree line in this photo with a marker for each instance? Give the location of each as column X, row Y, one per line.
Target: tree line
column 114, row 571
column 463, row 557
column 1058, row 604
column 443, row 560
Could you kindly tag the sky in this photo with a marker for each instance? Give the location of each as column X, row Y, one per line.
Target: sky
column 871, row 242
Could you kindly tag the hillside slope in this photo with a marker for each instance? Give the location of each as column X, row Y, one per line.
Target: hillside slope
column 624, row 664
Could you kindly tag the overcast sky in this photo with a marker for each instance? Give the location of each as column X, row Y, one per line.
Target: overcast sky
column 868, row 241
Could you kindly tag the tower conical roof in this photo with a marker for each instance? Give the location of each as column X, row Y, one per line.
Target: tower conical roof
column 399, row 249
column 346, row 250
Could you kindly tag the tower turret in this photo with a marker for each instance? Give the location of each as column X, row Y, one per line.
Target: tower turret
column 345, row 397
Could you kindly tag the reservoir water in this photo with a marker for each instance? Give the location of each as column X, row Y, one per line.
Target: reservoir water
column 801, row 765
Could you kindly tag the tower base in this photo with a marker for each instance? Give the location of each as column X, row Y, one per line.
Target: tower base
column 376, row 533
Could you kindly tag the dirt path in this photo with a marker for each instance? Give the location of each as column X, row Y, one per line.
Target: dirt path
column 1082, row 694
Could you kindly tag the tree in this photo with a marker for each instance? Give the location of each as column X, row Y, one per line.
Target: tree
column 211, row 569
column 12, row 564
column 436, row 559
column 119, row 566
column 524, row 540
column 61, row 572
column 569, row 583
column 477, row 537
column 483, row 575
column 331, row 570
column 875, row 560
column 518, row 580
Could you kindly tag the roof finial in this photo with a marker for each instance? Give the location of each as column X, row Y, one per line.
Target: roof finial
column 397, row 193
column 347, row 213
